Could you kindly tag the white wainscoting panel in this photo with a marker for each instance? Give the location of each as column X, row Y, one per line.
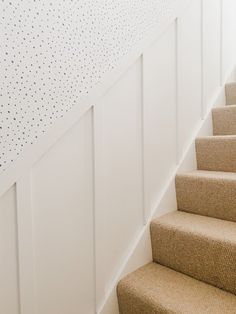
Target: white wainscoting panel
column 211, row 40
column 159, row 77
column 118, row 171
column 9, row 292
column 189, row 73
column 62, row 202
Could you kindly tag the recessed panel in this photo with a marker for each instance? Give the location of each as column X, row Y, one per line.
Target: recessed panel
column 189, row 74
column 211, row 50
column 119, row 173
column 160, row 114
column 62, row 202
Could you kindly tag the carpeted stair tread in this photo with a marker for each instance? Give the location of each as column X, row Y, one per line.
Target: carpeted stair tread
column 155, row 289
column 230, row 93
column 198, row 246
column 224, row 120
column 216, row 153
column 194, row 248
column 208, row 193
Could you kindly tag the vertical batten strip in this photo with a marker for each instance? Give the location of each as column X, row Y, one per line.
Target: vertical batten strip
column 221, row 44
column 25, row 244
column 203, row 109
column 144, row 148
column 98, row 214
column 94, row 215
column 177, row 91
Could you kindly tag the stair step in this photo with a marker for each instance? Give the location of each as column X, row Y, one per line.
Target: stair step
column 216, row 153
column 155, row 289
column 198, row 246
column 224, row 120
column 230, row 92
column 207, row 193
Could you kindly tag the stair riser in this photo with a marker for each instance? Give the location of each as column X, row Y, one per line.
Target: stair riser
column 204, row 259
column 230, row 93
column 207, row 197
column 216, row 154
column 224, row 121
column 134, row 305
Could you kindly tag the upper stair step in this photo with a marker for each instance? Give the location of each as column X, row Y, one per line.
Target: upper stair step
column 207, row 193
column 201, row 247
column 224, row 120
column 155, row 289
column 230, row 92
column 216, row 153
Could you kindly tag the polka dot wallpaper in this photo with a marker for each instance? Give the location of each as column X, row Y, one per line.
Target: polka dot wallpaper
column 53, row 52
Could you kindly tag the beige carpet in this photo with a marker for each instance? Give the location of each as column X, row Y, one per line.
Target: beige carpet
column 194, row 248
column 215, row 197
column 224, row 120
column 230, row 93
column 216, row 153
column 155, row 289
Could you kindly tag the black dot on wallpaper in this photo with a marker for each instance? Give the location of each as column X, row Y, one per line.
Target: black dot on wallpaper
column 52, row 53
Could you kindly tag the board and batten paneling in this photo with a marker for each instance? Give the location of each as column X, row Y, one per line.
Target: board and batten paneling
column 70, row 223
column 62, row 202
column 160, row 123
column 9, row 292
column 118, row 172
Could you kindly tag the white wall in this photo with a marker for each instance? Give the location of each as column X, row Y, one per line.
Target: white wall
column 54, row 53
column 76, row 213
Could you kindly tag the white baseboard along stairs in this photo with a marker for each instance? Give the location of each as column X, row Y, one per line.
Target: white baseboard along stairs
column 194, row 249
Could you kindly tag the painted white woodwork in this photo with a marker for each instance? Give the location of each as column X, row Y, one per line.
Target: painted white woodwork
column 189, row 73
column 118, row 171
column 75, row 212
column 160, row 112
column 62, row 202
column 9, row 292
column 211, row 52
column 25, row 243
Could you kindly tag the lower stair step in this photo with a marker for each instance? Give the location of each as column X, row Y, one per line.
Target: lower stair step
column 224, row 120
column 216, row 153
column 207, row 193
column 230, row 93
column 201, row 247
column 155, row 289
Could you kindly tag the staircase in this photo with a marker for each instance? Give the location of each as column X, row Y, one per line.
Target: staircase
column 194, row 248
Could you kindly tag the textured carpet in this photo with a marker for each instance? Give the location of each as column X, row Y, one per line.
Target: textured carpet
column 207, row 193
column 230, row 93
column 194, row 248
column 216, row 153
column 224, row 120
column 193, row 245
column 155, row 289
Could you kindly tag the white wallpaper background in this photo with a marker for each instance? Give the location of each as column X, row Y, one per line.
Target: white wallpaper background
column 53, row 52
